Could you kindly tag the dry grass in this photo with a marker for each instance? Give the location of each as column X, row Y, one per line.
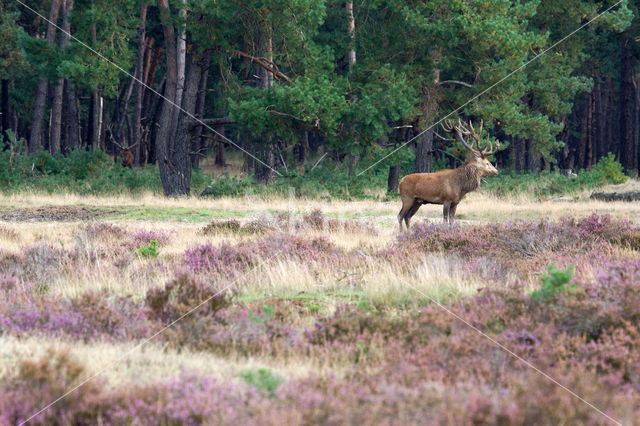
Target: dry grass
column 152, row 363
column 477, row 206
column 384, row 284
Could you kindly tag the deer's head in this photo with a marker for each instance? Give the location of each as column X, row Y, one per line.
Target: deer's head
column 480, row 155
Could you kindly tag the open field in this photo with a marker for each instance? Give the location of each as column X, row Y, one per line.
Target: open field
column 317, row 312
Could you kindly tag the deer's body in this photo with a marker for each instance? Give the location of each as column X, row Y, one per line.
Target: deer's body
column 126, row 157
column 446, row 187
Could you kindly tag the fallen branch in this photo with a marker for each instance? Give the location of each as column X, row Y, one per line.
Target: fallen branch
column 461, row 83
column 265, row 63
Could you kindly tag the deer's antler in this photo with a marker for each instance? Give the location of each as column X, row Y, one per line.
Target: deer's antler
column 463, row 130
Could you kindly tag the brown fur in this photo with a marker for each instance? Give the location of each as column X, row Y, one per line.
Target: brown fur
column 127, row 158
column 446, row 187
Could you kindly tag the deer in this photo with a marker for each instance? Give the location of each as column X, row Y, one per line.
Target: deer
column 126, row 155
column 448, row 187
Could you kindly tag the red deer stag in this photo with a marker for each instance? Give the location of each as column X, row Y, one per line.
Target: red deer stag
column 447, row 187
column 126, row 155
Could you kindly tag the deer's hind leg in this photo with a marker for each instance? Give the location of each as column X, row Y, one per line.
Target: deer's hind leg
column 414, row 208
column 407, row 204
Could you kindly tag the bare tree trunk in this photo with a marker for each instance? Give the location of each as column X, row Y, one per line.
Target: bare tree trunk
column 71, row 117
column 628, row 149
column 173, row 143
column 424, row 152
column 140, row 68
column 181, row 52
column 198, row 146
column 351, row 29
column 393, row 179
column 424, row 146
column 55, row 129
column 264, row 174
column 4, row 110
column 220, row 160
column 35, row 137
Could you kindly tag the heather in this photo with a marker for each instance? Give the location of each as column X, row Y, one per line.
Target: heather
column 563, row 295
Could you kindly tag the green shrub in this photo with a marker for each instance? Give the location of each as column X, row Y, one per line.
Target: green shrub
column 228, row 186
column 149, row 250
column 606, row 171
column 555, row 281
column 262, row 379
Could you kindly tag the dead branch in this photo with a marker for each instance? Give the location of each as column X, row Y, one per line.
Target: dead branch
column 264, row 63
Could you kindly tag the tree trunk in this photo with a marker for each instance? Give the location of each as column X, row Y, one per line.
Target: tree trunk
column 173, row 145
column 181, row 52
column 35, row 137
column 628, row 149
column 55, row 129
column 220, row 160
column 180, row 176
column 199, row 144
column 139, row 89
column 71, row 118
column 70, row 126
column 351, row 29
column 424, row 152
column 264, row 172
column 4, row 110
column 393, row 179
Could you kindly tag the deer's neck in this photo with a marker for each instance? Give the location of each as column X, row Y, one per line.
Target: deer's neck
column 468, row 177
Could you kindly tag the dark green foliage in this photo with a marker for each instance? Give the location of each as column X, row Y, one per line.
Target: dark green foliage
column 606, row 171
column 555, row 281
column 80, row 172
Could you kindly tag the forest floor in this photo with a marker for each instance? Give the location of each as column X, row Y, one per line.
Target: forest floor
column 320, row 306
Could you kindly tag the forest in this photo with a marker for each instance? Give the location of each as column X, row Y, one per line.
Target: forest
column 288, row 82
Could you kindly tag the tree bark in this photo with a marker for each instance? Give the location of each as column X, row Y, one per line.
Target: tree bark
column 4, row 109
column 70, row 126
column 180, row 176
column 181, row 58
column 173, row 143
column 35, row 137
column 628, row 149
column 71, row 118
column 139, row 88
column 264, row 173
column 199, row 143
column 351, row 29
column 55, row 129
column 424, row 152
column 220, row 160
column 393, row 179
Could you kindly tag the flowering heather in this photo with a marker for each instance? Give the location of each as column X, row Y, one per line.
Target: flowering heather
column 8, row 283
column 90, row 317
column 226, row 258
column 104, row 230
column 398, row 365
column 144, row 236
column 209, row 258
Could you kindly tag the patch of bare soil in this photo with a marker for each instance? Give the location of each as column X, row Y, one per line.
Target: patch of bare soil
column 53, row 214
